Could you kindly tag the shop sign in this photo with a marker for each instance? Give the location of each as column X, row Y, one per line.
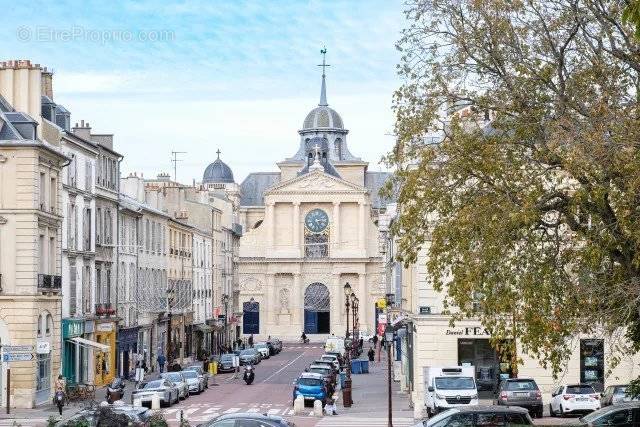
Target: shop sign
column 475, row 331
column 43, row 347
column 104, row 327
column 425, row 309
column 72, row 328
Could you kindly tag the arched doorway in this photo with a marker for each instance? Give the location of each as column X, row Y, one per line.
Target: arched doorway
column 316, row 309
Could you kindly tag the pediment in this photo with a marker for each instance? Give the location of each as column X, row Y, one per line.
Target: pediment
column 316, row 181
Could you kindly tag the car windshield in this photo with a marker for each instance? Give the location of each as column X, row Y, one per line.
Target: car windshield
column 580, row 389
column 194, row 368
column 521, row 385
column 175, row 377
column 309, row 381
column 441, row 416
column 190, row 374
column 318, row 371
column 455, row 383
column 249, row 352
column 261, row 345
column 620, row 390
column 227, row 357
column 153, row 384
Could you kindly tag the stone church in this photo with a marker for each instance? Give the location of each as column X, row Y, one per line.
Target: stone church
column 309, row 229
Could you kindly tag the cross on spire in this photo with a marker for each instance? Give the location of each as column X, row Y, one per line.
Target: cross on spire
column 323, row 89
column 218, row 153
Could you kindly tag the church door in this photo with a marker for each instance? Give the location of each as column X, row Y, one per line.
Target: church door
column 316, row 309
column 250, row 317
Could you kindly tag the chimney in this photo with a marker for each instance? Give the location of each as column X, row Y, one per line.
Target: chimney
column 47, row 83
column 83, row 130
column 20, row 85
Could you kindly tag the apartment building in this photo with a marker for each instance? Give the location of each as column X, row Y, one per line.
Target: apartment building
column 31, row 219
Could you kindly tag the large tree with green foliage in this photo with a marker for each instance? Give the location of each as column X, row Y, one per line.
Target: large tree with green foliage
column 529, row 200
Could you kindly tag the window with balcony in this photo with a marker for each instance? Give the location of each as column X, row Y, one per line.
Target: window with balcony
column 72, row 286
column 88, row 176
column 86, row 229
column 99, row 291
column 72, row 174
column 53, row 194
column 86, row 288
column 42, row 191
column 99, row 236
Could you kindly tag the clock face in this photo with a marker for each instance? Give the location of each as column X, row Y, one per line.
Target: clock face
column 316, row 221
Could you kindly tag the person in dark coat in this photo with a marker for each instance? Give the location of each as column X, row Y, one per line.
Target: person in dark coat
column 250, row 340
column 375, row 340
column 371, row 354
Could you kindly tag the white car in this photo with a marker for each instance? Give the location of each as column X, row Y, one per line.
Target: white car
column 194, row 381
column 263, row 348
column 178, row 379
column 572, row 399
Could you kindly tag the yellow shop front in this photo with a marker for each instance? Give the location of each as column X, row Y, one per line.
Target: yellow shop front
column 105, row 362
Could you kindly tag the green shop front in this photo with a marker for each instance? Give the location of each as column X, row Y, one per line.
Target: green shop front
column 73, row 355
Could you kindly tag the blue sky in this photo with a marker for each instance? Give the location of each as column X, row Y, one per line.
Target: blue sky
column 201, row 75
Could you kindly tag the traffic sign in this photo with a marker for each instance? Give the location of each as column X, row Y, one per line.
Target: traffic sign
column 17, row 357
column 17, row 348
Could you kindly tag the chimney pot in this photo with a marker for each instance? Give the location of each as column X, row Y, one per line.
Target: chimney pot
column 82, row 122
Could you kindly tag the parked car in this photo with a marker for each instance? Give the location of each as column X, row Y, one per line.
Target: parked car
column 195, row 382
column 248, row 419
column 250, row 356
column 272, row 349
column 178, row 379
column 135, row 414
column 615, row 394
column 479, row 415
column 165, row 389
column 331, row 358
column 573, row 399
column 625, row 414
column 328, row 363
column 311, row 387
column 277, row 344
column 225, row 363
column 201, row 372
column 335, row 345
column 325, row 371
column 263, row 348
column 523, row 392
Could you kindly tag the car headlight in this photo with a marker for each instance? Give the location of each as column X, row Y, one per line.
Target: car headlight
column 475, row 396
column 439, row 396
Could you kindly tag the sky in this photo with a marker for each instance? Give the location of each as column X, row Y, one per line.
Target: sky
column 198, row 76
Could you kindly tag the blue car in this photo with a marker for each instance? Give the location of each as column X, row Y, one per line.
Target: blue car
column 310, row 386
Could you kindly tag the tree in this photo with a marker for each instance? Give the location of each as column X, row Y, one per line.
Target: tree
column 528, row 199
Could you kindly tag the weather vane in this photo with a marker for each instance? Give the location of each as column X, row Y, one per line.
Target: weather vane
column 324, row 64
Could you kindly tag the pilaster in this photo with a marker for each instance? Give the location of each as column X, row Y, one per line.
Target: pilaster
column 335, row 230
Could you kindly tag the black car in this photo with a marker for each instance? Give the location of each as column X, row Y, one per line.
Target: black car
column 248, row 419
column 479, row 415
column 249, row 356
column 623, row 414
column 225, row 363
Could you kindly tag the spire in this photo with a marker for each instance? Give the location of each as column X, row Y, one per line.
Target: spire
column 323, row 88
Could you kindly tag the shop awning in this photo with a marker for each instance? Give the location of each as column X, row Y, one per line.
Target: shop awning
column 88, row 343
column 204, row 328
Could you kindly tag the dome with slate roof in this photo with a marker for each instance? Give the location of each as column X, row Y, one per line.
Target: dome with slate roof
column 323, row 117
column 217, row 172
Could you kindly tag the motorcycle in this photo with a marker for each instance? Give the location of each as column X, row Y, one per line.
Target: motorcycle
column 304, row 340
column 59, row 398
column 249, row 375
column 115, row 390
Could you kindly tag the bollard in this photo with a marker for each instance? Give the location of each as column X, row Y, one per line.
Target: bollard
column 317, row 408
column 137, row 402
column 155, row 402
column 298, row 405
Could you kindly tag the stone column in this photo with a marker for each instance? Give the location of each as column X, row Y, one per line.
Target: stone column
column 296, row 226
column 269, row 306
column 297, row 300
column 337, row 324
column 363, row 224
column 364, row 307
column 335, row 230
column 271, row 222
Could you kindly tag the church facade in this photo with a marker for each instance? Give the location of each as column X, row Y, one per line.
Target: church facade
column 308, row 230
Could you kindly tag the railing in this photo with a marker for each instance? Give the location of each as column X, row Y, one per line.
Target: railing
column 105, row 309
column 49, row 283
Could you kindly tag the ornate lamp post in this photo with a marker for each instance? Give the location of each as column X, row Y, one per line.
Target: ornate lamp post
column 225, row 302
column 388, row 337
column 346, row 391
column 356, row 326
column 354, row 338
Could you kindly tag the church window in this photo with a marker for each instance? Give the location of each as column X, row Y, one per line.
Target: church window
column 338, row 148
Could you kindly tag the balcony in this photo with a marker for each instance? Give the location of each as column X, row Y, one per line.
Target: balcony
column 49, row 283
column 105, row 309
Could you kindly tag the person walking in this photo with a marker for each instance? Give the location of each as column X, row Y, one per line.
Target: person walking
column 161, row 361
column 371, row 354
column 250, row 340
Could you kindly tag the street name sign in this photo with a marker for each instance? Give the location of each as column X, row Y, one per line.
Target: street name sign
column 17, row 348
column 17, row 357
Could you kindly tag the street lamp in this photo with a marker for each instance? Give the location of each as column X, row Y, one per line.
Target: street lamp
column 170, row 297
column 346, row 391
column 225, row 302
column 354, row 347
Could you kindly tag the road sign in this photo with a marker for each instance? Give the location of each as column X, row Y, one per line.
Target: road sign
column 17, row 357
column 17, row 348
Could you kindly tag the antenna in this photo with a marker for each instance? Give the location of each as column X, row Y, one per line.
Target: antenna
column 175, row 161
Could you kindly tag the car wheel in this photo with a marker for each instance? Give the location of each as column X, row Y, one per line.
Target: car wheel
column 551, row 413
column 562, row 414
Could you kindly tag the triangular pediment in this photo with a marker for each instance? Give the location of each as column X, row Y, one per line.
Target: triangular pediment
column 315, row 181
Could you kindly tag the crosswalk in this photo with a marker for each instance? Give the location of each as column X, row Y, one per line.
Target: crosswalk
column 23, row 422
column 302, row 347
column 197, row 413
column 340, row 421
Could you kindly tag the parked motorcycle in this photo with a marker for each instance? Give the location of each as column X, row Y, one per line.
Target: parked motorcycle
column 115, row 390
column 249, row 375
column 59, row 398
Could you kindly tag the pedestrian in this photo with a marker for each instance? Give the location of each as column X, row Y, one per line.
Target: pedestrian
column 251, row 340
column 360, row 344
column 371, row 354
column 375, row 341
column 330, row 407
column 161, row 361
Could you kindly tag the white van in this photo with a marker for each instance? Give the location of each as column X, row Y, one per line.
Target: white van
column 449, row 387
column 334, row 345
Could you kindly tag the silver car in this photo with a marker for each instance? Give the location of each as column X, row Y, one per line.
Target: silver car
column 178, row 379
column 204, row 375
column 164, row 389
column 194, row 381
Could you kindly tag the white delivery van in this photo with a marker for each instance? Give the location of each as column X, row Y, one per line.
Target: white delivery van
column 449, row 387
column 334, row 345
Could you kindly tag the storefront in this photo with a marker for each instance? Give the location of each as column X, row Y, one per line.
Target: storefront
column 105, row 362
column 72, row 354
column 127, row 350
column 436, row 343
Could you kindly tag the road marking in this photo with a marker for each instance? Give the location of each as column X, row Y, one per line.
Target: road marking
column 285, row 366
column 341, row 421
column 232, row 410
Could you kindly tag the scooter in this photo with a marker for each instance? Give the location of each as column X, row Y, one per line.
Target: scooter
column 304, row 340
column 249, row 375
column 59, row 398
column 115, row 390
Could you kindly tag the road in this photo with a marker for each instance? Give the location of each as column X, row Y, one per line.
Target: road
column 270, row 393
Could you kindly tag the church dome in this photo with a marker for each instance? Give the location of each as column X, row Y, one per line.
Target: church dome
column 217, row 172
column 322, row 117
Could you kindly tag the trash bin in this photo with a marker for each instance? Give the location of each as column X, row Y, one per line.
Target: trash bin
column 365, row 366
column 213, row 368
column 356, row 367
